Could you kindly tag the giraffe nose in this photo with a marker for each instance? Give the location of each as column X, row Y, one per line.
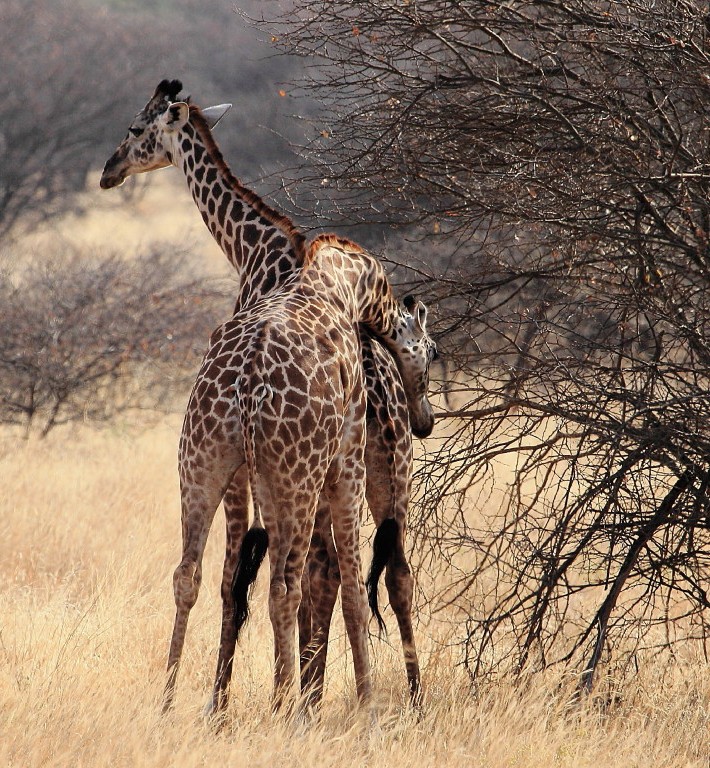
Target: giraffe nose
column 422, row 419
column 110, row 176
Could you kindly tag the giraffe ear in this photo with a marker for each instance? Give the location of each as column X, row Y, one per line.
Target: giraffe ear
column 176, row 115
column 214, row 114
column 417, row 310
column 409, row 301
column 420, row 316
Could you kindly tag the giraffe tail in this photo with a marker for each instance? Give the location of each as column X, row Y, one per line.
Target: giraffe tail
column 251, row 556
column 383, row 549
column 256, row 540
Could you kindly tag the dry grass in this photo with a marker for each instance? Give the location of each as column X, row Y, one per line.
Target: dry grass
column 90, row 535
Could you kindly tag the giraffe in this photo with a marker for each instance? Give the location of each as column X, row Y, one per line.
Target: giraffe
column 266, row 250
column 281, row 391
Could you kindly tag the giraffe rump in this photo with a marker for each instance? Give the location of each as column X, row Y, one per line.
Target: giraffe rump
column 251, row 555
column 383, row 549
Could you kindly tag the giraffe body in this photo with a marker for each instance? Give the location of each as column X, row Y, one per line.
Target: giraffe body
column 266, row 251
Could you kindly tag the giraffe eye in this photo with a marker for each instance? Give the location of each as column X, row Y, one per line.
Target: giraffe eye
column 135, row 131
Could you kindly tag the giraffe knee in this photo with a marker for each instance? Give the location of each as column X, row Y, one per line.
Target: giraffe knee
column 277, row 589
column 186, row 583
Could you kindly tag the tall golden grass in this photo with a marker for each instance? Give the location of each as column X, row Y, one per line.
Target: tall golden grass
column 90, row 534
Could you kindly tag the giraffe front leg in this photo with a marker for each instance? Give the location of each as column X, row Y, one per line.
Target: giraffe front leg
column 202, row 485
column 236, row 503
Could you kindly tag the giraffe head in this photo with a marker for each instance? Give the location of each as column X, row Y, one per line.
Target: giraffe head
column 414, row 350
column 153, row 135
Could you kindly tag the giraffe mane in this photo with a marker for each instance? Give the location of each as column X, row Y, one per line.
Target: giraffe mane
column 280, row 220
column 331, row 239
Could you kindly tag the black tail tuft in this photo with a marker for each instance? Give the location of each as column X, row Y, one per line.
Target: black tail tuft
column 251, row 555
column 383, row 548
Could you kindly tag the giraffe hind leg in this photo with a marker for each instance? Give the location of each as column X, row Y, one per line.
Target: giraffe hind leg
column 383, row 548
column 400, row 589
column 236, row 504
column 346, row 497
column 320, row 585
column 285, row 597
column 388, row 551
column 388, row 486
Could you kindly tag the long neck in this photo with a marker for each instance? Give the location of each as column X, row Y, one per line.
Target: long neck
column 263, row 246
column 357, row 285
column 362, row 277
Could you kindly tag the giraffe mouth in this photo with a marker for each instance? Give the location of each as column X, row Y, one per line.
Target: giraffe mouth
column 114, row 172
column 424, row 429
column 421, row 419
column 109, row 181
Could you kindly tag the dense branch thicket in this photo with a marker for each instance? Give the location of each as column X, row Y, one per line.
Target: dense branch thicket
column 88, row 338
column 557, row 153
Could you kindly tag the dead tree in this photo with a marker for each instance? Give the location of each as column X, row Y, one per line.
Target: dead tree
column 86, row 338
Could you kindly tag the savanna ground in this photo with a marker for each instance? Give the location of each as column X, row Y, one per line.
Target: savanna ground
column 90, row 533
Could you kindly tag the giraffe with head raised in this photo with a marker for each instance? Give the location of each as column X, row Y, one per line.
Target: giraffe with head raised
column 266, row 251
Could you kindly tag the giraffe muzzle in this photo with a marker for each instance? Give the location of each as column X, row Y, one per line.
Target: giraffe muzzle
column 422, row 419
column 112, row 176
column 109, row 181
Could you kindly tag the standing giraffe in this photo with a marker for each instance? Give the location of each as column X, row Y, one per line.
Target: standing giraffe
column 266, row 250
column 281, row 392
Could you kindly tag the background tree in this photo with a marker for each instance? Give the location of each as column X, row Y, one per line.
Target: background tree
column 75, row 72
column 555, row 158
column 87, row 337
column 67, row 71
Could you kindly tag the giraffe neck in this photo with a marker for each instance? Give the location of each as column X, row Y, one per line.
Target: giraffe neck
column 355, row 283
column 360, row 278
column 263, row 246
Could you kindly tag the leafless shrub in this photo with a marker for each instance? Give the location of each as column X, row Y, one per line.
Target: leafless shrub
column 88, row 337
